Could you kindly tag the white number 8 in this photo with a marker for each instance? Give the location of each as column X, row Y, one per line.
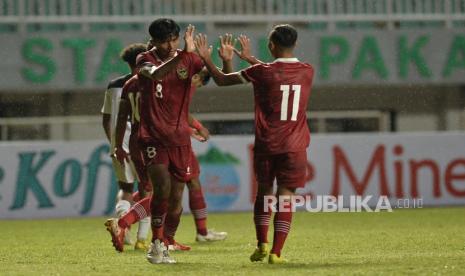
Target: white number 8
column 158, row 92
column 151, row 152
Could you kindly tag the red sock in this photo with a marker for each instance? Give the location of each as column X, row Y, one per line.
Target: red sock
column 199, row 210
column 261, row 219
column 137, row 212
column 136, row 196
column 171, row 225
column 282, row 226
column 158, row 207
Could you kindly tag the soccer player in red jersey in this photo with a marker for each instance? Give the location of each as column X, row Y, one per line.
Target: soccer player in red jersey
column 129, row 108
column 164, row 134
column 281, row 92
column 128, row 112
column 124, row 173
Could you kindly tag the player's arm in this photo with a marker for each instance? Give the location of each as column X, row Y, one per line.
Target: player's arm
column 121, row 121
column 245, row 52
column 106, row 125
column 219, row 77
column 200, row 132
column 157, row 73
column 106, row 114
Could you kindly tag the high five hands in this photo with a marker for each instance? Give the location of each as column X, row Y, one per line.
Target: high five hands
column 226, row 49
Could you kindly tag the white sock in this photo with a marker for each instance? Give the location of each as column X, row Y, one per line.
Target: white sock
column 143, row 231
column 122, row 207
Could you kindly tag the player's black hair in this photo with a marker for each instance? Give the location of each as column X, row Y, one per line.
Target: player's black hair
column 130, row 52
column 284, row 36
column 163, row 29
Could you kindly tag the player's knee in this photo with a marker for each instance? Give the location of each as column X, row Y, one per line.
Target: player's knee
column 193, row 184
column 282, row 190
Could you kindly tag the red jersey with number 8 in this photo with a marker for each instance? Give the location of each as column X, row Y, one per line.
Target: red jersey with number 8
column 281, row 91
column 164, row 104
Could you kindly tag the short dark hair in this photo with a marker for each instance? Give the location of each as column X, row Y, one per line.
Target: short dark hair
column 284, row 36
column 130, row 52
column 163, row 29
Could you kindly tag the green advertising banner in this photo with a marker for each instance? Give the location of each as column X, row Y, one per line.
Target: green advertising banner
column 66, row 61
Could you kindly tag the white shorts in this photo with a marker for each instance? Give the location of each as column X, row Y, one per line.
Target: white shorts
column 124, row 173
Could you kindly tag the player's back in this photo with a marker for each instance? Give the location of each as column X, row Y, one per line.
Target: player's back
column 131, row 93
column 281, row 91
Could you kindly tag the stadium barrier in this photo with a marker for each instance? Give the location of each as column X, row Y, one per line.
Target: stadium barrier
column 69, row 179
column 24, row 12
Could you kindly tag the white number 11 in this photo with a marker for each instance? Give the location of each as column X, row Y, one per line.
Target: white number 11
column 285, row 102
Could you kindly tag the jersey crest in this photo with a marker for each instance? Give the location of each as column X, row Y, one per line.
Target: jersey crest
column 182, row 73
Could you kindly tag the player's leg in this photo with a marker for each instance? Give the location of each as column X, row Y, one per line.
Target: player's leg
column 173, row 216
column 197, row 202
column 264, row 174
column 144, row 190
column 282, row 223
column 181, row 170
column 125, row 178
column 290, row 175
column 198, row 208
column 157, row 160
column 118, row 227
column 160, row 178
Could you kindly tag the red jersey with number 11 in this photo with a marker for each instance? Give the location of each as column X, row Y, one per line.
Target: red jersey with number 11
column 281, row 91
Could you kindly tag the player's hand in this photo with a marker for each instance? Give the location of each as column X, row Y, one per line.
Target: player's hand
column 245, row 52
column 201, row 135
column 196, row 80
column 121, row 155
column 201, row 78
column 189, row 45
column 226, row 49
column 146, row 71
column 204, row 133
column 201, row 43
column 196, row 135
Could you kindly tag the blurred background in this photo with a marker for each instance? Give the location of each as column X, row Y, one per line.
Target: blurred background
column 383, row 67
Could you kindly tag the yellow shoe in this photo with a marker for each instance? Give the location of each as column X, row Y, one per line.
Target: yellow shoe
column 274, row 259
column 260, row 253
column 140, row 245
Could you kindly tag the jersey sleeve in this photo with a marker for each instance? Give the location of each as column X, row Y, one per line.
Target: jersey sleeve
column 106, row 108
column 252, row 73
column 197, row 63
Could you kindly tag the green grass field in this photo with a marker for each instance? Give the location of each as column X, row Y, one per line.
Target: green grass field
column 415, row 241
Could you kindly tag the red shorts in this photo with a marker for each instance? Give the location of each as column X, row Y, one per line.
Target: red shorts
column 139, row 165
column 181, row 161
column 289, row 169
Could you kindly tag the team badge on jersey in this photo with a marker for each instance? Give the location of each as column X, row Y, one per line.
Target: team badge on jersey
column 182, row 73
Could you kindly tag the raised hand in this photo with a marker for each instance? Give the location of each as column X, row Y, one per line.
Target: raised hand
column 226, row 49
column 202, row 46
column 189, row 39
column 245, row 52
